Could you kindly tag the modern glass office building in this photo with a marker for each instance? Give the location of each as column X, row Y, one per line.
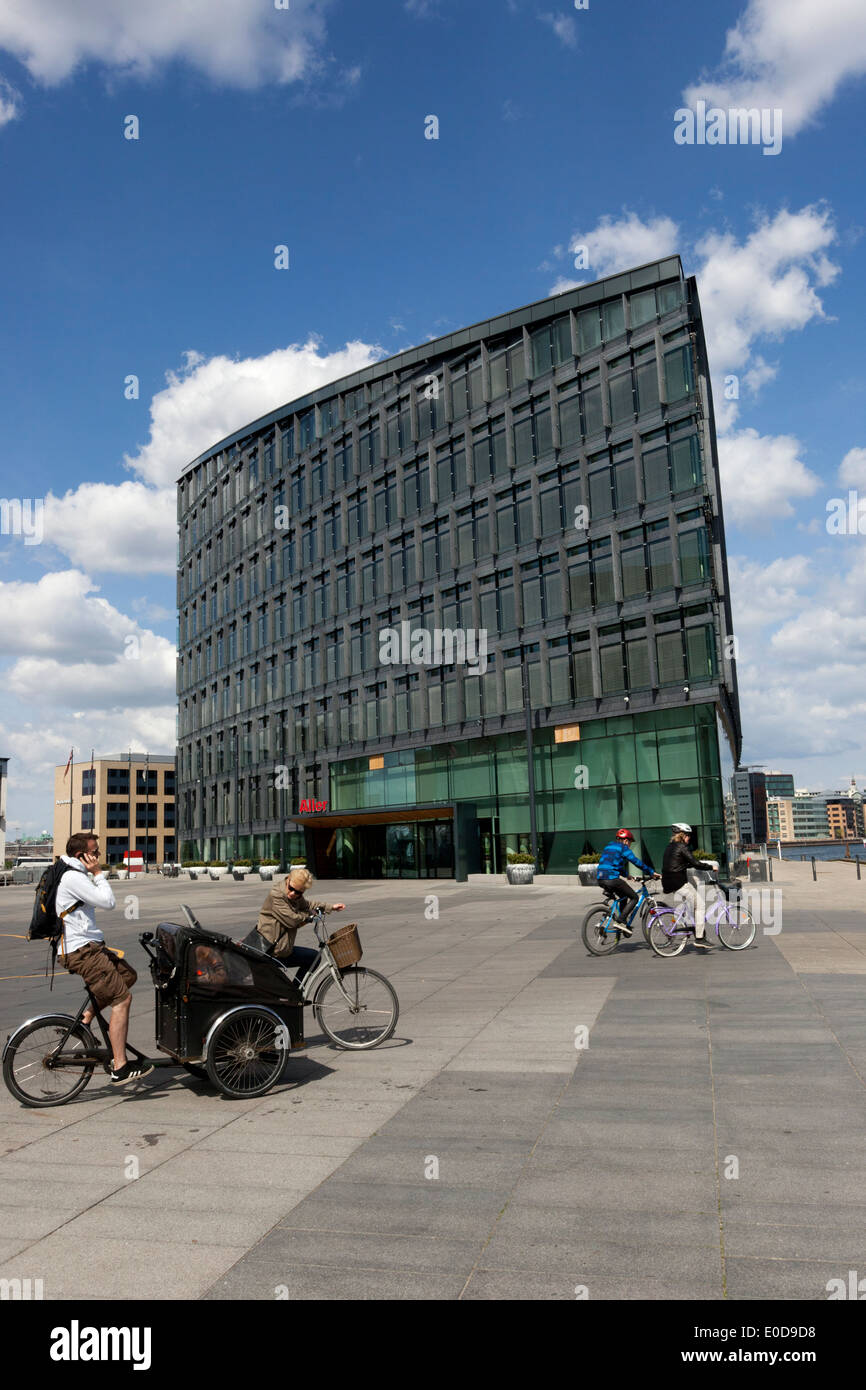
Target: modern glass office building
column 508, row 537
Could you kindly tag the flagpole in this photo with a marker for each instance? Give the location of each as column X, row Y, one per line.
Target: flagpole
column 71, row 786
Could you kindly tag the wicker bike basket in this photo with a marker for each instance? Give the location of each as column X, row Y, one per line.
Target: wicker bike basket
column 345, row 946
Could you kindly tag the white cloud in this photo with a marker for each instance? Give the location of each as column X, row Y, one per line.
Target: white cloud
column 563, row 27
column 70, row 683
column 70, row 643
column 563, row 284
column 209, row 399
column 10, row 102
column 760, row 287
column 761, row 476
column 35, row 748
column 126, row 527
column 788, row 54
column 624, row 242
column 852, row 469
column 764, row 286
column 802, row 642
column 131, row 527
column 244, row 43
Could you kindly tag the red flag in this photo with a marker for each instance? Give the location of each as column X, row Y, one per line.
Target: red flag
column 69, row 764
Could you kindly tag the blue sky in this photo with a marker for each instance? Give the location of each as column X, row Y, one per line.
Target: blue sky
column 306, row 127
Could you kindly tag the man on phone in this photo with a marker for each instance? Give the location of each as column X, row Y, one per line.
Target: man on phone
column 83, row 950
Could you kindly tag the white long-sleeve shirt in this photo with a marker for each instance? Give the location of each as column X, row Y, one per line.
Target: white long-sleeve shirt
column 77, row 886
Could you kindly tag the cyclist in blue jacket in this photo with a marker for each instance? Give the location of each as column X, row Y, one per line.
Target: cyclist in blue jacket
column 611, row 874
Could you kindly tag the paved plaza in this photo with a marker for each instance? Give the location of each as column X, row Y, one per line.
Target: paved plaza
column 709, row 1142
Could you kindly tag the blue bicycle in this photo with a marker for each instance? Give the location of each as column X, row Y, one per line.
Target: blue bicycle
column 602, row 931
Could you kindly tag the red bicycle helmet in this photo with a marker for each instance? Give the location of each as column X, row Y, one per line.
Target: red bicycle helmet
column 624, row 835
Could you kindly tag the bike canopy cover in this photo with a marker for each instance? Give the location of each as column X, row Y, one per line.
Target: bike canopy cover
column 211, row 965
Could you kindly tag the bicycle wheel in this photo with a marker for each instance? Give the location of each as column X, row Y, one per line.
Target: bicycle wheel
column 27, row 1068
column 736, row 928
column 597, row 940
column 247, row 1054
column 366, row 1018
column 667, row 936
column 646, row 916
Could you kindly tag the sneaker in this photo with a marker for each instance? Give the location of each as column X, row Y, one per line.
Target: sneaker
column 132, row 1071
column 702, row 941
column 623, row 927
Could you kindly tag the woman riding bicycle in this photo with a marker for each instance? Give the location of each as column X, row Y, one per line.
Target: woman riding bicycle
column 611, row 877
column 678, row 859
column 284, row 910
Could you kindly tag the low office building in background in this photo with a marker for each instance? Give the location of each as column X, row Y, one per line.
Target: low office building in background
column 128, row 801
column 387, row 586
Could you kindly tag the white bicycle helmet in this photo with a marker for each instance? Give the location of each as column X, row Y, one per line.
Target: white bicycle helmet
column 680, row 825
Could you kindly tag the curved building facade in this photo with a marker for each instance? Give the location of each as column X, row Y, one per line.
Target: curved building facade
column 392, row 588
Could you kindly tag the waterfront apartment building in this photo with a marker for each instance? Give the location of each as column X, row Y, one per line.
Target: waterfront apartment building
column 390, row 587
column 127, row 800
column 845, row 816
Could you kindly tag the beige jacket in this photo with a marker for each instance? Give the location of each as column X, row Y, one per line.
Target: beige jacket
column 280, row 919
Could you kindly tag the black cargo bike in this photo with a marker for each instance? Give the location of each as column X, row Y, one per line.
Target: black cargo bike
column 225, row 1011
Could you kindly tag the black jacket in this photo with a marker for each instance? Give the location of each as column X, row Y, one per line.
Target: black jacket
column 678, row 858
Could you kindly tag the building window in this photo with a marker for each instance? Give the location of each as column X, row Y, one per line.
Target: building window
column 368, row 449
column 397, row 429
column 416, row 487
column 450, row 469
column 356, row 516
column 473, row 533
column 551, row 345
column 385, row 501
column 436, row 548
column 679, row 374
column 489, row 456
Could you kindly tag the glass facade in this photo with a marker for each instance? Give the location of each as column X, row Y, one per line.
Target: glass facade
column 542, row 492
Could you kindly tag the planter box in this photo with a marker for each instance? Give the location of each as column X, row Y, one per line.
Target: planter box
column 217, row 873
column 588, row 874
column 520, row 873
column 266, row 874
column 238, row 875
column 123, row 873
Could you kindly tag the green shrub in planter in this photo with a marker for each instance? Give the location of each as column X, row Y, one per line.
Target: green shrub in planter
column 519, row 857
column 589, row 859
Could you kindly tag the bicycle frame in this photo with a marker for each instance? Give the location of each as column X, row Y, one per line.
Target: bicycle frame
column 323, row 967
column 644, row 899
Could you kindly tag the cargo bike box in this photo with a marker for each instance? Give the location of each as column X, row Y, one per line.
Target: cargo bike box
column 223, row 1009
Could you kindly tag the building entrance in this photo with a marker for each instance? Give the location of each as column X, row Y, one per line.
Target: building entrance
column 400, row 849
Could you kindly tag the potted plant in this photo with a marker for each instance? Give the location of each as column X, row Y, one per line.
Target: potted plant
column 266, row 869
column 520, row 868
column 587, row 865
column 216, row 868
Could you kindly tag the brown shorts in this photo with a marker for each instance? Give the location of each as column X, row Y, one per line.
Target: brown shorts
column 108, row 978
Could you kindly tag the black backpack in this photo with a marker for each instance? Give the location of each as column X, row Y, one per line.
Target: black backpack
column 46, row 924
